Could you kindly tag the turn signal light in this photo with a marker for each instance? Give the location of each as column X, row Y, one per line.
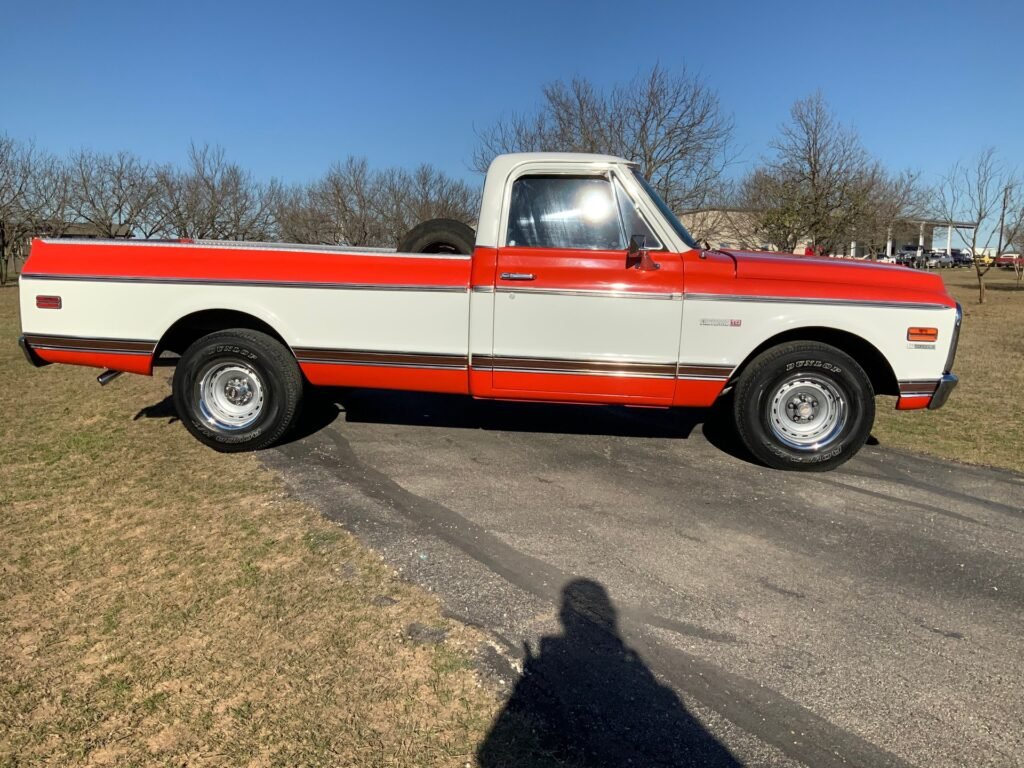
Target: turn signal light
column 48, row 302
column 922, row 334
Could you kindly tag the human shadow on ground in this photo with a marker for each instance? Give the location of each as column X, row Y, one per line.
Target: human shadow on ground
column 585, row 698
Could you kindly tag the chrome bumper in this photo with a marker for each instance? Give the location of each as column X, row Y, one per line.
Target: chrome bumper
column 946, row 385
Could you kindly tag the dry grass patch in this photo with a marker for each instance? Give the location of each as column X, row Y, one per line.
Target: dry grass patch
column 161, row 604
column 983, row 421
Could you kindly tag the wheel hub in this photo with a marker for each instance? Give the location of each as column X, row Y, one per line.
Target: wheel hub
column 238, row 391
column 807, row 412
column 231, row 395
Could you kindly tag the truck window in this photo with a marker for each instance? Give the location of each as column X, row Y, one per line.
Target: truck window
column 564, row 212
column 662, row 206
column 632, row 220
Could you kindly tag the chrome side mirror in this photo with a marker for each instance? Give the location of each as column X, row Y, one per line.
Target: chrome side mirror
column 637, row 255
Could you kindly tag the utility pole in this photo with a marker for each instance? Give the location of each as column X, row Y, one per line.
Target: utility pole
column 1002, row 219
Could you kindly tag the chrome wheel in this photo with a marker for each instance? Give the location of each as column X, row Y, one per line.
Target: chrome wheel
column 807, row 412
column 231, row 395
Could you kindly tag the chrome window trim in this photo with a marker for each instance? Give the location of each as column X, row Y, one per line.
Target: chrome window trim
column 618, row 185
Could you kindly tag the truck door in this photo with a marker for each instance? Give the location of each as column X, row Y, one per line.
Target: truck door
column 574, row 317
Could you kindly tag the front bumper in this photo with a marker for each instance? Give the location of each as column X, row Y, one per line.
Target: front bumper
column 948, row 381
column 30, row 354
column 946, row 385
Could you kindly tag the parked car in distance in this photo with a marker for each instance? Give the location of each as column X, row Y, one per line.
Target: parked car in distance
column 884, row 259
column 984, row 259
column 907, row 256
column 942, row 260
column 1009, row 260
column 961, row 257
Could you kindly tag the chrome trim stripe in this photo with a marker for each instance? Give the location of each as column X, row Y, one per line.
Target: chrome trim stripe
column 248, row 283
column 482, row 289
column 918, row 387
column 575, row 372
column 579, row 367
column 691, row 371
column 378, row 358
column 613, row 294
column 103, row 350
column 87, row 344
column 249, row 245
column 822, row 301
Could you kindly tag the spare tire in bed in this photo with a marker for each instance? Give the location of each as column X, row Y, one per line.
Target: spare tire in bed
column 438, row 236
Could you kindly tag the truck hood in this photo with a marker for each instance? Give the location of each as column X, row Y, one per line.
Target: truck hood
column 793, row 268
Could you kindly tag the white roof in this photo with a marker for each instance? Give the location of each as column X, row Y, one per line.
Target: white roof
column 504, row 163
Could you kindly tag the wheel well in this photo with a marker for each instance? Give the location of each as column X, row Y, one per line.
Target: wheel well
column 883, row 378
column 193, row 327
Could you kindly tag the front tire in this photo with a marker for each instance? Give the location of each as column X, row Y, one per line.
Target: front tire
column 804, row 406
column 237, row 390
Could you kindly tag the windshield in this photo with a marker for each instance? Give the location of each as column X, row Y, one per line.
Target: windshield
column 665, row 210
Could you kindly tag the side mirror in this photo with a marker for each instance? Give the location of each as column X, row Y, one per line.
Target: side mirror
column 637, row 255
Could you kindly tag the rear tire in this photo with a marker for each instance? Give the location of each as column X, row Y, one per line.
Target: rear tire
column 804, row 406
column 237, row 390
column 439, row 236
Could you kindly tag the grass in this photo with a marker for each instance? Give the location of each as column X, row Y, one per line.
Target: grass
column 983, row 420
column 161, row 604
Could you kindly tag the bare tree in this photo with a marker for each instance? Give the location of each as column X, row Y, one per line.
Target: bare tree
column 822, row 185
column 671, row 124
column 300, row 219
column 114, row 193
column 356, row 205
column 350, row 197
column 15, row 177
column 33, row 200
column 827, row 169
column 213, row 198
column 406, row 199
column 990, row 196
column 890, row 199
column 772, row 201
column 1011, row 222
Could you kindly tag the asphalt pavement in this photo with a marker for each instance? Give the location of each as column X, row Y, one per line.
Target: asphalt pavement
column 653, row 597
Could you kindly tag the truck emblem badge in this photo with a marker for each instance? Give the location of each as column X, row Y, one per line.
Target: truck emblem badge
column 721, row 322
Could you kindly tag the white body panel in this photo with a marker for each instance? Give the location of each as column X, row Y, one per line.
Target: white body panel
column 504, row 323
column 716, row 342
column 379, row 319
column 546, row 325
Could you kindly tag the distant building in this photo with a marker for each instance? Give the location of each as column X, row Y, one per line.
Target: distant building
column 90, row 231
column 734, row 228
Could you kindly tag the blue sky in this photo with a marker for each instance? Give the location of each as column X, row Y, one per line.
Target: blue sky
column 287, row 88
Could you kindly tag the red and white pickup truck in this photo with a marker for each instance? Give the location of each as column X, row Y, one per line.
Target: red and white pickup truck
column 581, row 287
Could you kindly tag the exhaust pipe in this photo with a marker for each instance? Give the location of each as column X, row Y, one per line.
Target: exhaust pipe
column 107, row 376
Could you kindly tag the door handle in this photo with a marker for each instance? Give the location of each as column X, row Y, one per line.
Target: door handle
column 518, row 276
